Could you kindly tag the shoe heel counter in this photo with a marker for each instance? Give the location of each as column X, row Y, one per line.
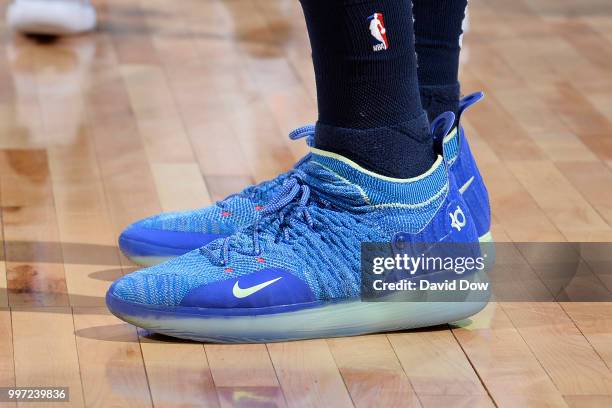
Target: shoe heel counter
column 452, row 221
column 472, row 186
column 450, row 233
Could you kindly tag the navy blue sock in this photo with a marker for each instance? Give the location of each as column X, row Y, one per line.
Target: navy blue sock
column 437, row 29
column 367, row 87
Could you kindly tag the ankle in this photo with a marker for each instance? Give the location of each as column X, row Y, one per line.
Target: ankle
column 399, row 151
column 437, row 99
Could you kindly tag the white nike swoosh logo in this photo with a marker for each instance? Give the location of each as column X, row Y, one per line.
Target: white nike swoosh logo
column 466, row 185
column 241, row 293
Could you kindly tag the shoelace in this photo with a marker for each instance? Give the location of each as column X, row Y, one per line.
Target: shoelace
column 251, row 192
column 286, row 197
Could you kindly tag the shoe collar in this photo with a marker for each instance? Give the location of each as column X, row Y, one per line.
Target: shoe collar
column 377, row 189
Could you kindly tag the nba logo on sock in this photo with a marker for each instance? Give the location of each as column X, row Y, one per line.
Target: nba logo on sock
column 379, row 32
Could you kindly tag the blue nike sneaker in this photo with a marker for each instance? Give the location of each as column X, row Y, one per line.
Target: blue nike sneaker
column 161, row 237
column 164, row 236
column 296, row 272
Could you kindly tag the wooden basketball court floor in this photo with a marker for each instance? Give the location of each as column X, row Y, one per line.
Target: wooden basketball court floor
column 175, row 104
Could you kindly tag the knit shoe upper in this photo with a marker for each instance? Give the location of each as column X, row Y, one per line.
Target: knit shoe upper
column 305, row 245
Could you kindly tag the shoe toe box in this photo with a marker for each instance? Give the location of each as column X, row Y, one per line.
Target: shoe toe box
column 138, row 240
column 165, row 284
column 172, row 234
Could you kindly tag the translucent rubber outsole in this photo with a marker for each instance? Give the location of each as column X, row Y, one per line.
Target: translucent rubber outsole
column 333, row 319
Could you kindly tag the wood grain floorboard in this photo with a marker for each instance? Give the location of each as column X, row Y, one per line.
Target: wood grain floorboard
column 308, row 374
column 45, row 352
column 7, row 364
column 35, row 270
column 509, row 370
column 244, row 375
column 112, row 368
column 373, row 378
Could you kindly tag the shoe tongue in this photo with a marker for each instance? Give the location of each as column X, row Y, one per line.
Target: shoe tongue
column 263, row 192
column 327, row 185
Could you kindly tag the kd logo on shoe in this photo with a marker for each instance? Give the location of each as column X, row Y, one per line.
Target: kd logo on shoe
column 379, row 32
column 457, row 219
